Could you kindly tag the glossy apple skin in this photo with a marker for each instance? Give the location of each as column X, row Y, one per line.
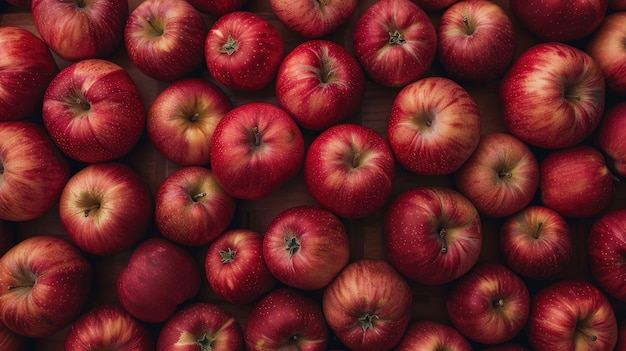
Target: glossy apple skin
column 45, row 283
column 604, row 46
column 108, row 327
column 26, row 68
column 609, row 138
column 368, row 305
column 395, row 41
column 305, row 247
column 165, row 38
column 349, row 169
column 201, row 324
column 434, row 5
column 432, row 235
column 243, row 51
column 191, row 208
column 235, row 267
column 536, row 243
column 571, row 315
column 159, row 276
column 93, row 111
column 434, row 126
column 217, row 7
column 33, row 171
column 78, row 30
column 553, row 96
column 312, row 18
column 320, row 84
column 432, row 336
column 182, row 118
column 606, row 245
column 284, row 319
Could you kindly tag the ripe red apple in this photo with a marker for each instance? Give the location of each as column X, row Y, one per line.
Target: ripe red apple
column 606, row 245
column 475, row 40
column 605, row 47
column 77, row 30
column 434, row 5
column 320, row 84
column 432, row 235
column 33, row 171
column 158, row 278
column 217, row 7
column 106, row 208
column 191, row 208
column 243, row 51
column 93, row 111
column 305, row 247
column 349, row 169
column 235, row 267
column 313, row 18
column 165, row 38
column 256, row 147
column 395, row 41
column 434, row 126
column 536, row 243
column 367, row 306
column 45, row 282
column 27, row 68
column 571, row 315
column 432, row 336
column 501, row 177
column 609, row 140
column 553, row 95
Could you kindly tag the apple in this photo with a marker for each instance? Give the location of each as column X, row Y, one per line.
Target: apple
column 606, row 247
column 9, row 340
column 571, row 315
column 93, row 111
column 501, row 177
column 475, row 40
column 33, row 171
column 608, row 138
column 165, row 38
column 181, row 120
column 604, row 46
column 218, row 7
column 576, row 182
column 431, row 234
column 395, row 41
column 553, row 95
column 235, row 267
column 45, row 281
column 27, row 68
column 305, row 247
column 108, row 327
column 191, row 208
column 432, row 336
column 243, row 51
column 349, row 169
column 313, row 18
column 434, row 5
column 320, row 84
column 201, row 326
column 368, row 305
column 536, row 243
column 286, row 319
column 81, row 29
column 434, row 126
column 256, row 148
column 158, row 277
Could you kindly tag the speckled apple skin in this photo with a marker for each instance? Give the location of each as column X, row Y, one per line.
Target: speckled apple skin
column 607, row 248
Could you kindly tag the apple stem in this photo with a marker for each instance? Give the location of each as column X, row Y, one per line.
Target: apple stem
column 88, row 210
column 20, row 286
column 396, row 38
column 198, row 196
column 367, row 321
column 498, row 303
column 536, row 235
column 230, row 46
column 468, row 28
column 228, row 256
column 356, row 159
column 444, row 245
column 293, row 245
column 326, row 73
column 257, row 136
column 85, row 105
column 195, row 117
column 505, row 174
column 154, row 26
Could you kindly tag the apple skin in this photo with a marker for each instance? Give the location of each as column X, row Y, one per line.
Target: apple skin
column 320, row 84
column 434, row 5
column 606, row 245
column 432, row 336
column 305, row 247
column 434, row 126
column 395, row 41
column 77, row 30
column 191, row 208
column 604, row 46
column 159, row 276
column 45, row 282
column 108, row 327
column 33, row 171
column 203, row 326
column 235, row 267
column 217, row 7
column 553, row 96
column 609, row 140
column 536, row 243
column 93, row 111
column 349, row 169
column 432, row 235
column 313, row 18
column 181, row 120
column 571, row 315
column 27, row 68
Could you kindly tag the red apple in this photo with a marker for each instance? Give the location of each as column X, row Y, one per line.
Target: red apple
column 609, row 140
column 9, row 340
column 432, row 336
column 217, row 7
column 432, row 235
column 606, row 245
column 349, row 169
column 606, row 48
column 395, row 41
column 434, row 126
column 434, row 5
column 313, row 18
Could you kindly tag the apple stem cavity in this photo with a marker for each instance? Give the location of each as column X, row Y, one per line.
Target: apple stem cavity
column 88, row 210
column 498, row 303
column 257, row 136
column 356, row 160
column 326, row 73
column 155, row 26
column 505, row 174
column 367, row 321
column 293, row 245
column 83, row 103
column 228, row 256
column 230, row 46
column 396, row 38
